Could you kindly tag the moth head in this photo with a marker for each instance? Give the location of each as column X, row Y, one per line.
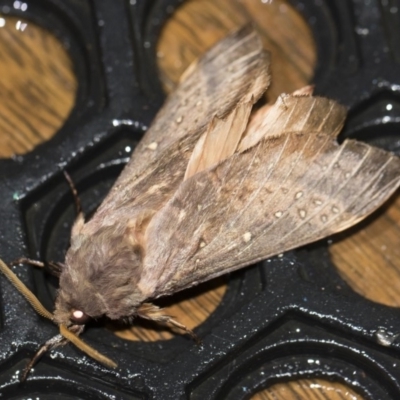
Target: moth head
column 100, row 277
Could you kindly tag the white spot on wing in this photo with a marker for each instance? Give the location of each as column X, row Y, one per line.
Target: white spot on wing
column 247, row 237
column 182, row 215
column 153, row 146
column 278, row 214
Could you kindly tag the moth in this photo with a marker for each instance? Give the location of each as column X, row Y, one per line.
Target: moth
column 212, row 188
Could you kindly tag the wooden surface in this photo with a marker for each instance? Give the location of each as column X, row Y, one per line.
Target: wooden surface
column 37, row 91
column 37, row 86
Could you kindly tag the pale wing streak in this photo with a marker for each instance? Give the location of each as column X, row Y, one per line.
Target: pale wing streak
column 305, row 120
column 244, row 248
column 326, row 116
column 260, row 186
column 200, row 228
column 334, row 194
column 316, row 154
column 231, row 160
column 245, row 175
column 383, row 189
column 265, row 232
column 233, row 47
column 276, row 191
column 255, row 194
column 364, row 189
column 288, row 117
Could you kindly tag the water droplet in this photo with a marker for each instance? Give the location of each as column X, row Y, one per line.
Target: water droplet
column 20, row 26
column 362, row 31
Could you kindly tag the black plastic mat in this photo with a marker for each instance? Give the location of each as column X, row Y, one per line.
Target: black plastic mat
column 286, row 318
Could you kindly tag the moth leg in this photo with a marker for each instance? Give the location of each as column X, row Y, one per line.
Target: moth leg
column 153, row 313
column 56, row 341
column 170, row 320
column 52, row 267
column 29, row 261
column 77, row 200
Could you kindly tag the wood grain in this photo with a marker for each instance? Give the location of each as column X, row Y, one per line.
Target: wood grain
column 307, row 389
column 37, row 92
column 37, row 86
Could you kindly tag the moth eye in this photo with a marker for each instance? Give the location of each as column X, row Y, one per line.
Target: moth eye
column 79, row 317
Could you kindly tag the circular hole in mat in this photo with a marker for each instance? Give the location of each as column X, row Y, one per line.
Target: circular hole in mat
column 307, row 389
column 37, row 85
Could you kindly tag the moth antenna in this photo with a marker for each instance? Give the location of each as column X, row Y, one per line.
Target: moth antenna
column 56, row 341
column 77, row 200
column 20, row 286
column 152, row 312
column 90, row 351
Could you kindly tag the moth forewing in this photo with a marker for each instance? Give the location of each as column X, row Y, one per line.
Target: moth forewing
column 287, row 190
column 236, row 69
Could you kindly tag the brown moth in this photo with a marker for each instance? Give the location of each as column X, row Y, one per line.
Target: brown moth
column 211, row 189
